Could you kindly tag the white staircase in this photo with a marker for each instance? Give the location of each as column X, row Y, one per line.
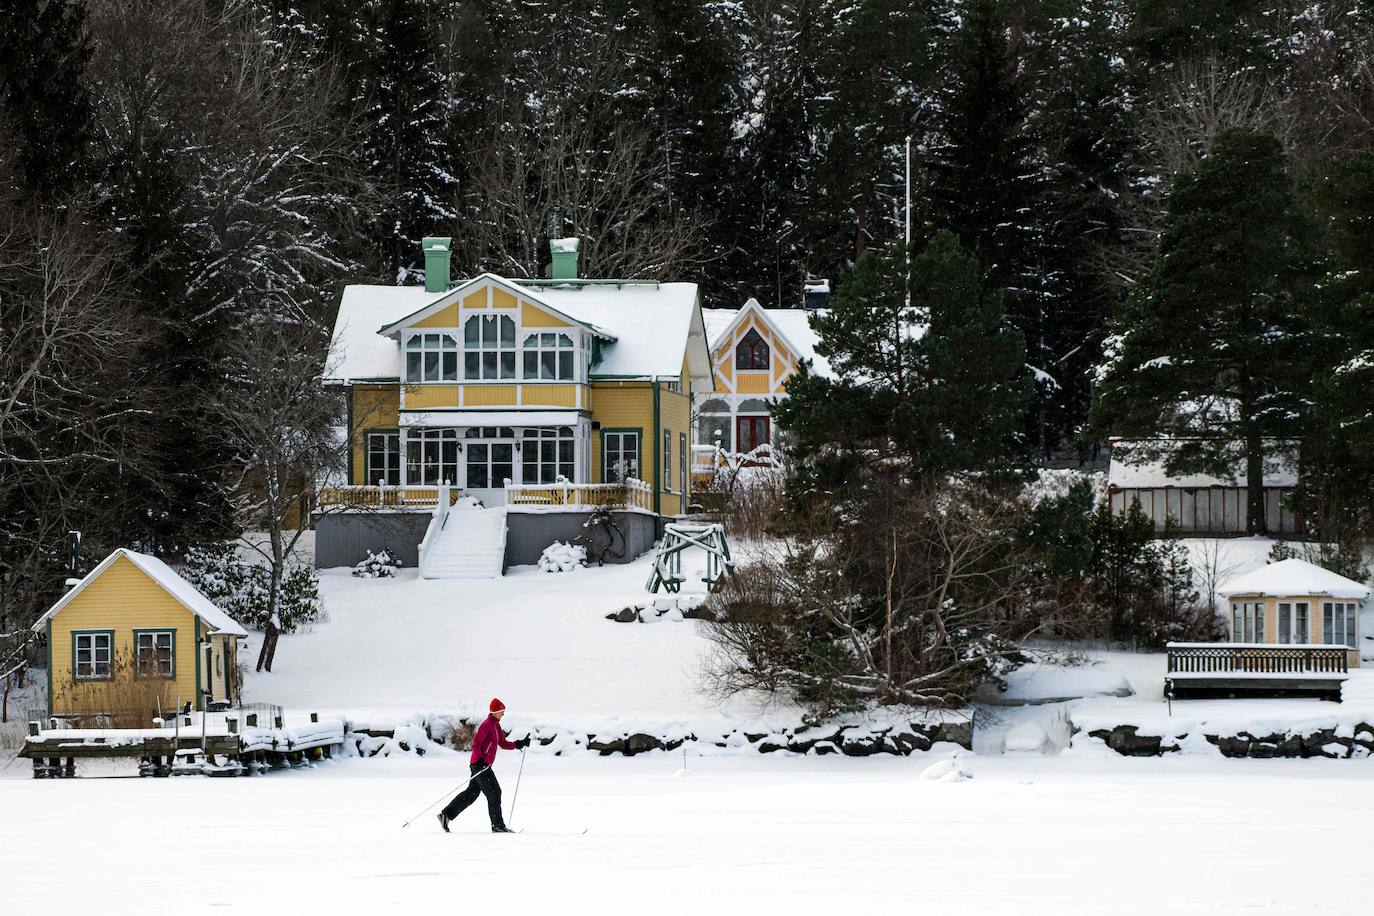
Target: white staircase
column 464, row 543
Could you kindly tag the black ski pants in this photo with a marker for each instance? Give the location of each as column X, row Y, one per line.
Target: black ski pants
column 483, row 783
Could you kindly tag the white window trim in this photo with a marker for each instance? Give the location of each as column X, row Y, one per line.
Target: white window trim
column 171, row 660
column 439, row 348
column 77, row 636
column 538, row 349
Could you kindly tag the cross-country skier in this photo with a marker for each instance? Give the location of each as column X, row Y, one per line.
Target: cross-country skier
column 483, row 782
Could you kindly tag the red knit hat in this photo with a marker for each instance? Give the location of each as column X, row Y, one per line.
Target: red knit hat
column 496, row 705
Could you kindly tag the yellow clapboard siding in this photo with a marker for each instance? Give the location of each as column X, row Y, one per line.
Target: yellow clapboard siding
column 500, row 299
column 427, row 397
column 374, row 407
column 675, row 412
column 477, row 299
column 549, row 395
column 628, row 405
column 753, row 383
column 532, row 316
column 446, row 317
column 122, row 599
column 489, row 395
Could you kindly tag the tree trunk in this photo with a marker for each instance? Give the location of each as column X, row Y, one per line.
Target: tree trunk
column 5, row 701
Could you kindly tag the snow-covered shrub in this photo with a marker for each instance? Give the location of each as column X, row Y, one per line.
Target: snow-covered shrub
column 561, row 557
column 242, row 588
column 380, row 565
column 299, row 602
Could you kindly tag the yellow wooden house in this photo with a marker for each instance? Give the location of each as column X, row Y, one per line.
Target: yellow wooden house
column 133, row 639
column 754, row 353
column 1295, row 603
column 557, row 392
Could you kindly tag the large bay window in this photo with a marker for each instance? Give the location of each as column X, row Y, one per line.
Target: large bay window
column 489, row 347
column 549, row 356
column 383, row 459
column 713, row 424
column 431, row 457
column 547, row 454
column 432, row 358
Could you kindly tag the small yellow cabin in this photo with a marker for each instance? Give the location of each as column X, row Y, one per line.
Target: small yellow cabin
column 132, row 640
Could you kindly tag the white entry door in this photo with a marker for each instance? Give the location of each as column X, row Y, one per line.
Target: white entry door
column 489, row 460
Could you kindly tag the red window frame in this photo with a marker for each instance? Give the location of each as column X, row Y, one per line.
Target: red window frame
column 754, row 422
column 752, row 351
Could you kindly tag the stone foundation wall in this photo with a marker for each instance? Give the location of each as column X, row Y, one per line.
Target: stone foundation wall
column 1323, row 742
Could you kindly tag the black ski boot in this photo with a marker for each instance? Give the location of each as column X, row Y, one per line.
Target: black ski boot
column 501, row 828
column 443, row 822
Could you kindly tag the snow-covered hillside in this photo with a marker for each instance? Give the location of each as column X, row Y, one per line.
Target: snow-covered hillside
column 539, row 641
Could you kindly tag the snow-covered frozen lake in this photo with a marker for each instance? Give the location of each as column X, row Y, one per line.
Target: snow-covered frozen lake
column 747, row 834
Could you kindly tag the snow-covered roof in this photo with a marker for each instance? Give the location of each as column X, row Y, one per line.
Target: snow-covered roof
column 1131, row 469
column 1293, row 577
column 184, row 592
column 793, row 324
column 646, row 327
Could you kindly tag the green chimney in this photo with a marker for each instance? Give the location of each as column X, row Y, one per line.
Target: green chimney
column 436, row 264
column 564, row 255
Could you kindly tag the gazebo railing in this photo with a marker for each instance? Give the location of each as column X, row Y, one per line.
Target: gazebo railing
column 1256, row 658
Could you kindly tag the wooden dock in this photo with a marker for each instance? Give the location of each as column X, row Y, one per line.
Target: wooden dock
column 229, row 743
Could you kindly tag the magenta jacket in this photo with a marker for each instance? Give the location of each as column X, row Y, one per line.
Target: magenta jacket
column 488, row 738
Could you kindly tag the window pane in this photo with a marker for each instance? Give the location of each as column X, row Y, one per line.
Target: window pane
column 1285, row 622
column 565, row 365
column 1328, row 616
column 489, row 365
column 450, row 366
column 507, row 332
column 470, row 366
column 472, row 332
column 413, row 367
column 546, row 364
column 508, row 364
column 431, row 366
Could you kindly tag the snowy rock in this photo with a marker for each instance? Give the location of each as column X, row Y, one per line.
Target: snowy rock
column 1026, row 738
column 627, row 615
column 951, row 770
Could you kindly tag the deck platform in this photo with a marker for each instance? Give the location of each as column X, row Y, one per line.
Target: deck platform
column 1210, row 670
column 228, row 743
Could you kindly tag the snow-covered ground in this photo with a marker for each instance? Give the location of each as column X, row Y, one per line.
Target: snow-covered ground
column 539, row 641
column 1026, row 835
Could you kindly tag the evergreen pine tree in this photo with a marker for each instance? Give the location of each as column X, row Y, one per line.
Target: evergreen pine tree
column 1210, row 353
column 44, row 53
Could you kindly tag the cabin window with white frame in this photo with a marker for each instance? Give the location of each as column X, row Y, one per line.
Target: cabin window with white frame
column 682, row 465
column 489, row 347
column 153, row 653
column 383, row 459
column 620, row 456
column 1292, row 622
column 1338, row 623
column 549, row 356
column 431, row 457
column 92, row 656
column 432, row 358
column 547, row 454
column 1247, row 621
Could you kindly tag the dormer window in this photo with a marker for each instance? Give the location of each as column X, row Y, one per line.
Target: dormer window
column 489, row 347
column 549, row 355
column 432, row 358
column 751, row 352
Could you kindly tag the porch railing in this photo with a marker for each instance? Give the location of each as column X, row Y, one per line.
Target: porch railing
column 1255, row 658
column 631, row 494
column 383, row 497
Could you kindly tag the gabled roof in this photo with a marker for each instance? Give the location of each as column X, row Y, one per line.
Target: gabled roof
column 1293, row 577
column 792, row 325
column 1130, row 467
column 646, row 328
column 445, row 299
column 184, row 592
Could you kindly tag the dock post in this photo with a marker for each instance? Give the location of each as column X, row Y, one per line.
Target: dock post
column 314, row 717
column 277, row 720
column 33, row 729
column 233, row 723
column 71, row 767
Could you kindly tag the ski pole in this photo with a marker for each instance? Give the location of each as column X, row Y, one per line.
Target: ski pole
column 446, row 795
column 515, row 796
